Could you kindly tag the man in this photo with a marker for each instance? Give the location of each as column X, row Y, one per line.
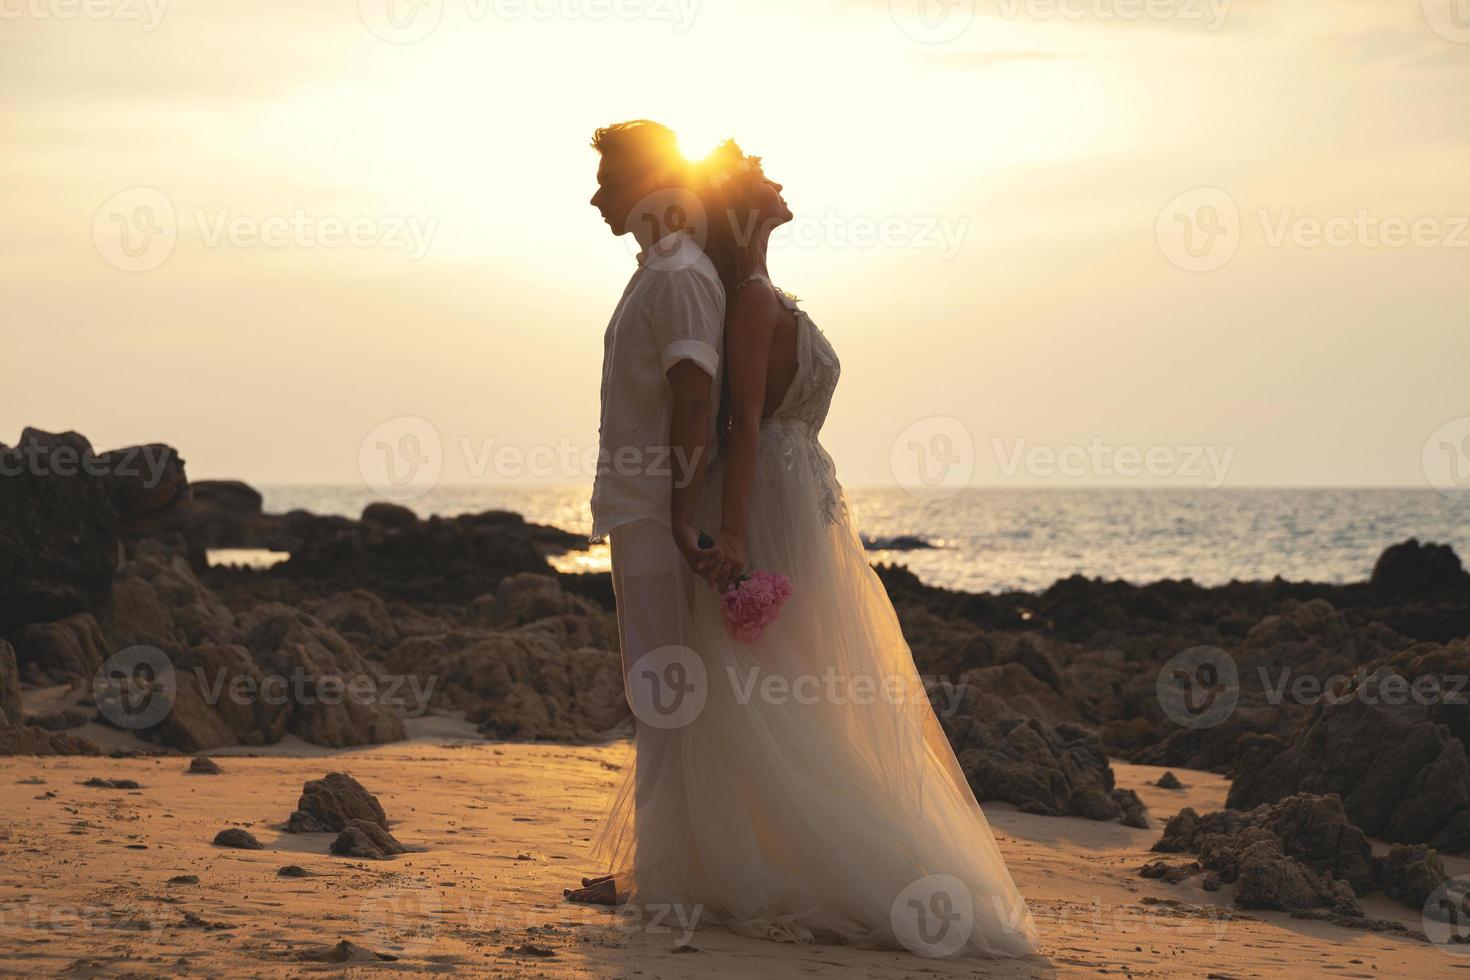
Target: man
column 661, row 361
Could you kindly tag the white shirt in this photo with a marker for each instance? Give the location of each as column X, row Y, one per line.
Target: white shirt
column 672, row 310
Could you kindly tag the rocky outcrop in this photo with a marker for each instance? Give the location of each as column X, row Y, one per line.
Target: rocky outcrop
column 1414, row 569
column 1058, row 771
column 1400, row 776
column 1300, row 854
column 58, row 531
column 332, row 803
column 364, row 839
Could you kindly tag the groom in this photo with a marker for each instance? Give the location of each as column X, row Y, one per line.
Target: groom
column 660, row 370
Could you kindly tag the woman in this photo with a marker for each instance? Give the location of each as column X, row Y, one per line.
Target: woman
column 813, row 796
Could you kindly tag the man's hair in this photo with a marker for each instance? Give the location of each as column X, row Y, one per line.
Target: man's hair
column 641, row 143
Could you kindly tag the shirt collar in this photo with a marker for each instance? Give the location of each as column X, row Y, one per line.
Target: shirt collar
column 665, row 246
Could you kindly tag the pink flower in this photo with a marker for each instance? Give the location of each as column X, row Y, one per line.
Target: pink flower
column 754, row 602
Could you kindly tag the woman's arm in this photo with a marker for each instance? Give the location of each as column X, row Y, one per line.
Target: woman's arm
column 749, row 328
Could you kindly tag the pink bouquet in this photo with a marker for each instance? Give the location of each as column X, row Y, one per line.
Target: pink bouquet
column 753, row 602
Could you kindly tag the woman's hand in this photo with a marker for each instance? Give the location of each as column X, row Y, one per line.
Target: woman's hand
column 725, row 562
column 687, row 539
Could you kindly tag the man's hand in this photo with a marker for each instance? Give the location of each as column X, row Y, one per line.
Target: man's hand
column 725, row 561
column 687, row 539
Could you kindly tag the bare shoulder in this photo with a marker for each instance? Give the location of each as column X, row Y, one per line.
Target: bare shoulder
column 754, row 304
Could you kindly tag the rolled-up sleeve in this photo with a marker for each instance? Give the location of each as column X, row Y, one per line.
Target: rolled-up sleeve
column 688, row 319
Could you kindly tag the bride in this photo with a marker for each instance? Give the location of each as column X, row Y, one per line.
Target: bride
column 810, row 794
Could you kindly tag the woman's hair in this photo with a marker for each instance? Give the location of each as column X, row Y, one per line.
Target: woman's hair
column 726, row 181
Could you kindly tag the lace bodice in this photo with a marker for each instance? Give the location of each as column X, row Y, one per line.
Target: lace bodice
column 804, row 407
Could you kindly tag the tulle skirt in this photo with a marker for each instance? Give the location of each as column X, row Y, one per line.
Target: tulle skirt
column 807, row 793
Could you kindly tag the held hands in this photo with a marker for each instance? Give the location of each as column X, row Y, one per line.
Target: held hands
column 725, row 561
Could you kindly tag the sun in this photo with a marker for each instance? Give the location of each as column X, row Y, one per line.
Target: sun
column 697, row 141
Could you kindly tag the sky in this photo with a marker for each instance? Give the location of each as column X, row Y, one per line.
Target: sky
column 1055, row 242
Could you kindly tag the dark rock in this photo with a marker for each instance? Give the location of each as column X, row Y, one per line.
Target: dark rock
column 12, row 714
column 143, row 480
column 1169, row 781
column 237, row 838
column 1135, row 814
column 293, row 871
column 70, row 649
column 363, row 839
column 899, row 542
column 1411, row 568
column 1401, row 776
column 334, row 802
column 1170, row 873
column 97, row 782
column 1410, row 874
column 343, row 952
column 183, row 880
column 202, row 765
column 388, row 515
column 58, row 531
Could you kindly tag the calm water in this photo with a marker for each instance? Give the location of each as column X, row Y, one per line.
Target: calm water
column 994, row 539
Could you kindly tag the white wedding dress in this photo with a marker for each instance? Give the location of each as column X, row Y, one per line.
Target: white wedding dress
column 811, row 794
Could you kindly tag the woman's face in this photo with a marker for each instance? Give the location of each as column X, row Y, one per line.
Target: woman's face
column 768, row 202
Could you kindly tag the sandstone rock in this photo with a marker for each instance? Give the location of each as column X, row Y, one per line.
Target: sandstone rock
column 143, row 480
column 1169, row 781
column 344, row 952
column 332, row 803
column 363, row 839
column 237, row 838
column 203, row 765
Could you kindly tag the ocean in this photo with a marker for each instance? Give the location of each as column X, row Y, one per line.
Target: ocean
column 995, row 539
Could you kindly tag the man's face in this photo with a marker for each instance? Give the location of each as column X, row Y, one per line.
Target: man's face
column 618, row 189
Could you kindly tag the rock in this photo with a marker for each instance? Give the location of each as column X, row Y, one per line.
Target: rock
column 97, row 782
column 1169, row 781
column 1411, row 568
column 1052, row 771
column 12, row 714
column 70, row 649
column 364, row 839
column 1411, row 873
column 334, row 802
column 1170, row 873
column 337, row 697
column 343, row 952
column 143, row 480
column 898, row 542
column 1400, row 776
column 202, row 765
column 1267, row 879
column 58, row 531
column 183, row 880
column 237, row 838
column 1135, row 814
column 361, row 617
column 293, row 871
column 388, row 515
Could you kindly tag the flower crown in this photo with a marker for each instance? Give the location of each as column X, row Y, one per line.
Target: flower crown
column 745, row 166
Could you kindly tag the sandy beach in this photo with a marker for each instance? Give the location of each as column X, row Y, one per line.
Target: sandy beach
column 86, row 886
